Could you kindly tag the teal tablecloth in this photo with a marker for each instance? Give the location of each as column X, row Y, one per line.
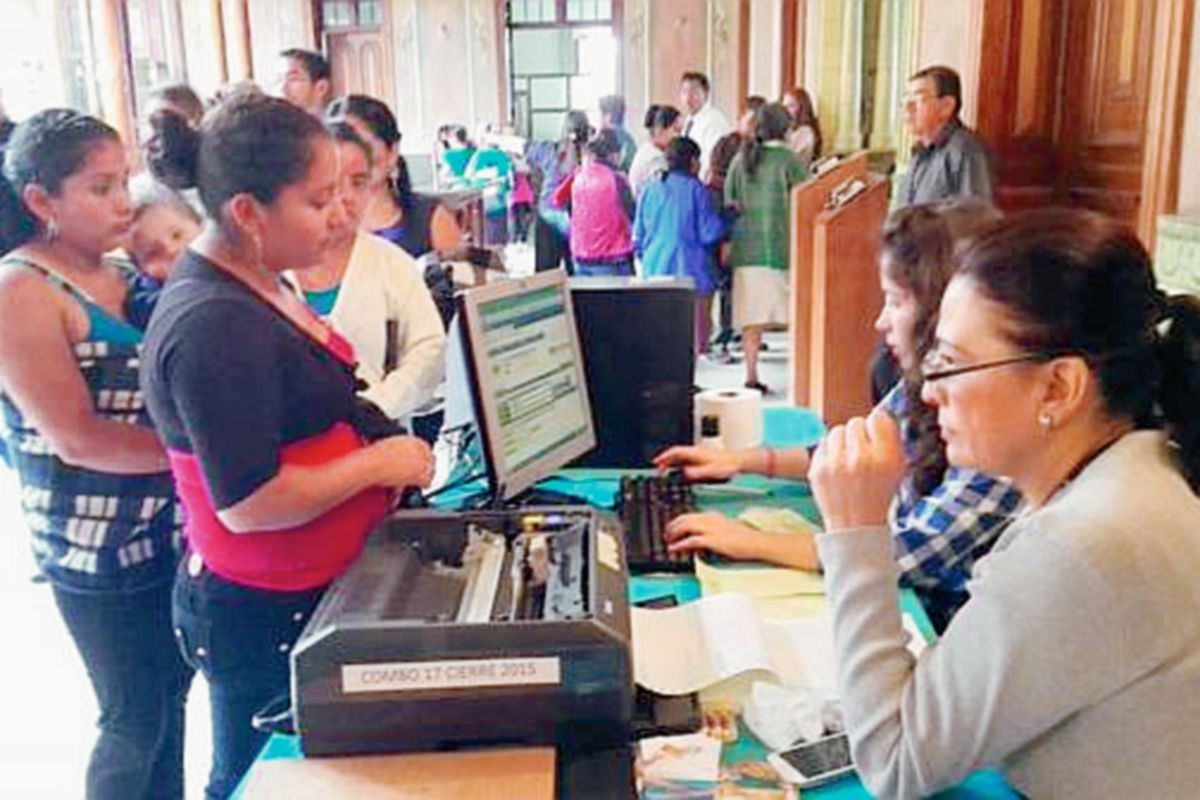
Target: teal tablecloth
column 782, row 427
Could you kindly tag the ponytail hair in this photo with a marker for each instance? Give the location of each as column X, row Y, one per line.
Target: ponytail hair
column 1179, row 398
column 172, row 150
column 771, row 123
column 683, row 155
column 45, row 149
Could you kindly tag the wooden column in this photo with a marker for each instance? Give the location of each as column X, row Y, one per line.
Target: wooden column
column 241, row 61
column 112, row 55
column 216, row 24
column 792, row 46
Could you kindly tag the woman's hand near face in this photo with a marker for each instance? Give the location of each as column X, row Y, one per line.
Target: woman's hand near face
column 402, row 461
column 856, row 471
column 700, row 463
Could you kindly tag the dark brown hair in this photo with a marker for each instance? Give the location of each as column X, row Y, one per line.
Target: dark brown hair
column 917, row 247
column 250, row 144
column 45, row 149
column 945, row 82
column 1073, row 281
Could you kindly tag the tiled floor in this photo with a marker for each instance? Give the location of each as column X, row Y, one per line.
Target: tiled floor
column 46, row 702
column 48, row 710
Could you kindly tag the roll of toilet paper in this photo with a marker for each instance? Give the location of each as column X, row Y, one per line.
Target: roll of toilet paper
column 729, row 419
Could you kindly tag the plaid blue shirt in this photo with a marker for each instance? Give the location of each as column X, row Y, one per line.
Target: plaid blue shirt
column 939, row 536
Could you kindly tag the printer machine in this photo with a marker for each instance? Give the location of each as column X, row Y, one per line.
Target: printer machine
column 465, row 628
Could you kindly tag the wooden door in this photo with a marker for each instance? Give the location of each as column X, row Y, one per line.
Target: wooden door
column 1107, row 85
column 1018, row 98
column 361, row 64
column 1065, row 94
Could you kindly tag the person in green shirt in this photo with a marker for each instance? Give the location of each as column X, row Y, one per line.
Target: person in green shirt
column 457, row 151
column 759, row 187
column 490, row 170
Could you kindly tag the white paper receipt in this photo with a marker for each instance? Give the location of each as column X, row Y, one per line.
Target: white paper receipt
column 412, row 676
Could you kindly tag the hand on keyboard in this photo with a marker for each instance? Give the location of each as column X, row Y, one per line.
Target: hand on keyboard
column 700, row 463
column 715, row 533
column 647, row 503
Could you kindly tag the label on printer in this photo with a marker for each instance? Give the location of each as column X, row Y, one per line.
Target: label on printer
column 410, row 676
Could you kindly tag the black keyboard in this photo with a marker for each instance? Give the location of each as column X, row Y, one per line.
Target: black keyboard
column 646, row 504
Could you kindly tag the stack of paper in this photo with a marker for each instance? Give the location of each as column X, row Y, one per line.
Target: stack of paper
column 722, row 637
column 779, row 592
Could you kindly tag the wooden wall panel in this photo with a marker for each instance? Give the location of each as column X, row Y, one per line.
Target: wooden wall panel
column 1085, row 101
column 680, row 43
column 1020, row 76
column 1108, row 80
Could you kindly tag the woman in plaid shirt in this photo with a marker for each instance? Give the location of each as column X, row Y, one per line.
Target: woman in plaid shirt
column 943, row 518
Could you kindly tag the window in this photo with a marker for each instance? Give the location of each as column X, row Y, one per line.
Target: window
column 563, row 55
column 337, row 15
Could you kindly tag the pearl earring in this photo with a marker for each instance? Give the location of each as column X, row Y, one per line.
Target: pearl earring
column 1046, row 421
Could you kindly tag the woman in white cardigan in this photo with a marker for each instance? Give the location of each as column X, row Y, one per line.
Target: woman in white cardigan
column 373, row 293
column 1075, row 663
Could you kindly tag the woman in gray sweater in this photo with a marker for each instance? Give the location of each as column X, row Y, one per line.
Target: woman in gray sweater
column 1075, row 664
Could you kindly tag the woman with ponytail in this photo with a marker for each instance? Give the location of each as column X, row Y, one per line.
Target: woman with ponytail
column 759, row 186
column 1074, row 664
column 281, row 468
column 416, row 223
column 95, row 489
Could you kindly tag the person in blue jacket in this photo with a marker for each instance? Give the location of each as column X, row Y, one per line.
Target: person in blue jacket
column 675, row 228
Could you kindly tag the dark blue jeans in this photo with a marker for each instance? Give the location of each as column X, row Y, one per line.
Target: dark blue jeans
column 141, row 686
column 239, row 638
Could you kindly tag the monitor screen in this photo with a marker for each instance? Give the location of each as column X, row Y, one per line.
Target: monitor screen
column 527, row 377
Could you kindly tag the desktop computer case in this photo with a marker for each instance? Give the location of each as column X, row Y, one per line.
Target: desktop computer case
column 353, row 631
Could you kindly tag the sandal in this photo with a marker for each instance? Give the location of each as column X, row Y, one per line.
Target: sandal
column 759, row 385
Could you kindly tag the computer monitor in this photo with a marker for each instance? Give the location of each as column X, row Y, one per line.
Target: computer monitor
column 528, row 385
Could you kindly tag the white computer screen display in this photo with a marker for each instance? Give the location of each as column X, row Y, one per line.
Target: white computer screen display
column 530, row 391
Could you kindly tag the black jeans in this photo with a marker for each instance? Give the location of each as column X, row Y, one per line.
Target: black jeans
column 141, row 686
column 239, row 638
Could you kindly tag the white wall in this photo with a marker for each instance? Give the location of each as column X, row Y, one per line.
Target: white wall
column 276, row 25
column 949, row 35
column 766, row 47
column 31, row 67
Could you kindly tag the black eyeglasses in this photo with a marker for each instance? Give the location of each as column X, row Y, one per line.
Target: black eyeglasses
column 935, row 368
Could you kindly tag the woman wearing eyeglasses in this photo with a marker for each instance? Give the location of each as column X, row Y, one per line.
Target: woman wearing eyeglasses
column 945, row 518
column 1075, row 662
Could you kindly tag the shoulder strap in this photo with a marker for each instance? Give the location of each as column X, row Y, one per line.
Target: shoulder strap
column 51, row 276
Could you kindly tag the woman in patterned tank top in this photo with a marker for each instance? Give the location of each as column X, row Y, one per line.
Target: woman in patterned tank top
column 95, row 489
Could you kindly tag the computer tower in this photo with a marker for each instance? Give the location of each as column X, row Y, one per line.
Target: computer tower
column 636, row 338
